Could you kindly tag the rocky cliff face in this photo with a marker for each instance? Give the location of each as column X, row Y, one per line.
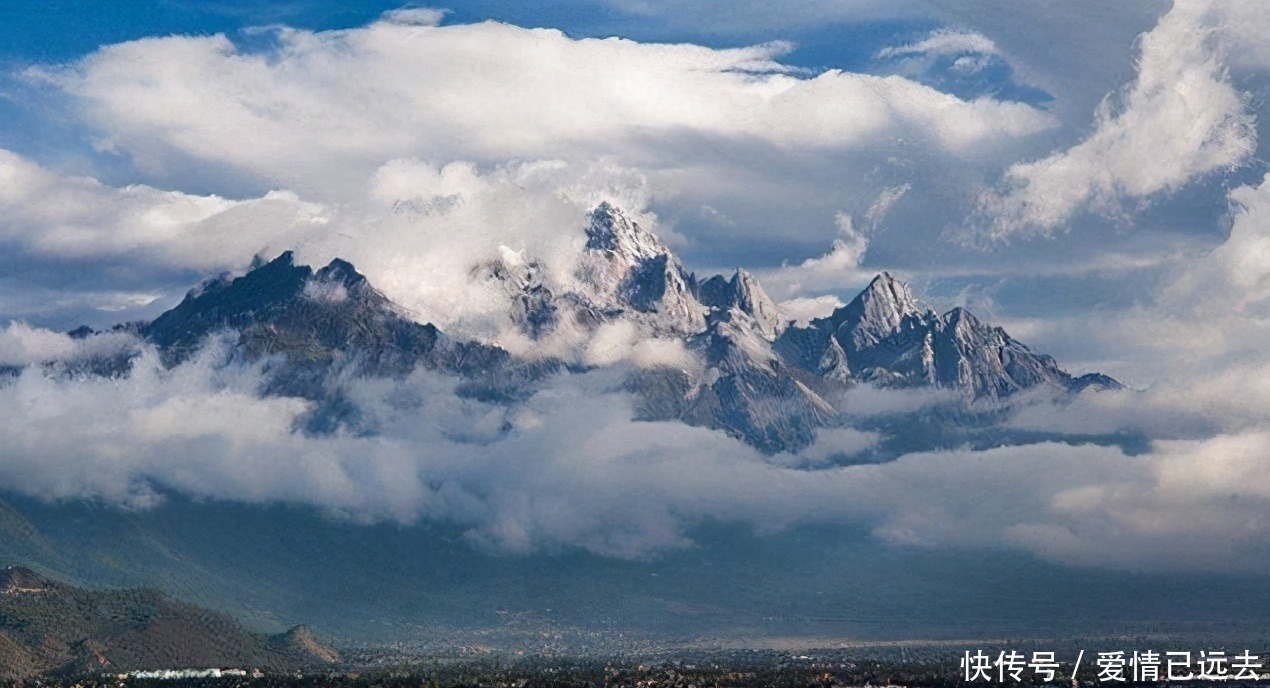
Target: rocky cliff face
column 309, row 325
column 759, row 378
column 884, row 336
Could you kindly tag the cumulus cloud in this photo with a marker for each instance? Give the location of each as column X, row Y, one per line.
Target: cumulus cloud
column 1208, row 408
column 419, row 230
column 1234, row 279
column 773, row 152
column 621, row 341
column 830, row 444
column 812, row 285
column 323, row 109
column 1208, row 312
column 1181, row 118
column 1200, row 342
column 50, row 214
column 415, row 16
column 1184, row 505
column 415, row 229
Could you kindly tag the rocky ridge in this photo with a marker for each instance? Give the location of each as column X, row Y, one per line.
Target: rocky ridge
column 761, row 378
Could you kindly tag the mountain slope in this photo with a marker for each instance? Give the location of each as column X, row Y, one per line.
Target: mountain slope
column 49, row 627
column 747, row 391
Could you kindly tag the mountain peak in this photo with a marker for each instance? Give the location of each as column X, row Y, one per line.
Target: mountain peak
column 628, row 269
column 834, row 364
column 875, row 313
column 612, row 230
column 342, row 271
column 754, row 301
column 889, row 288
column 316, row 319
column 744, row 293
column 957, row 316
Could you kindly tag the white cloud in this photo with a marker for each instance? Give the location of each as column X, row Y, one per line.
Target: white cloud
column 1180, row 118
column 1195, row 505
column 415, row 16
column 835, row 270
column 620, row 341
column 1207, row 316
column 830, row 443
column 415, row 229
column 54, row 215
column 883, row 203
column 1200, row 343
column 943, row 42
column 1234, row 279
column 418, row 230
column 803, row 309
column 21, row 344
column 839, row 270
column 324, row 109
column 1202, row 491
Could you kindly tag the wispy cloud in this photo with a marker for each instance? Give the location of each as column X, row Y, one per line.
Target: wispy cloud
column 942, row 42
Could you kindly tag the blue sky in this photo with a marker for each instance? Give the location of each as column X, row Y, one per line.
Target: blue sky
column 1090, row 176
column 59, row 31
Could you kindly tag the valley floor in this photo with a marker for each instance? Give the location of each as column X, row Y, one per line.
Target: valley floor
column 914, row 665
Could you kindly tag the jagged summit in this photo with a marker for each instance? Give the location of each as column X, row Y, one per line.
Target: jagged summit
column 760, row 378
column 341, row 271
column 316, row 323
column 612, row 230
column 885, row 336
column 747, row 391
column 225, row 303
column 875, row 313
column 834, row 364
column 624, row 273
column 743, row 293
column 730, row 342
column 627, row 272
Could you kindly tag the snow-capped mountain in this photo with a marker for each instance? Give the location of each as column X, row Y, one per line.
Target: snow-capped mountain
column 759, row 377
column 743, row 293
column 625, row 272
column 884, row 336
